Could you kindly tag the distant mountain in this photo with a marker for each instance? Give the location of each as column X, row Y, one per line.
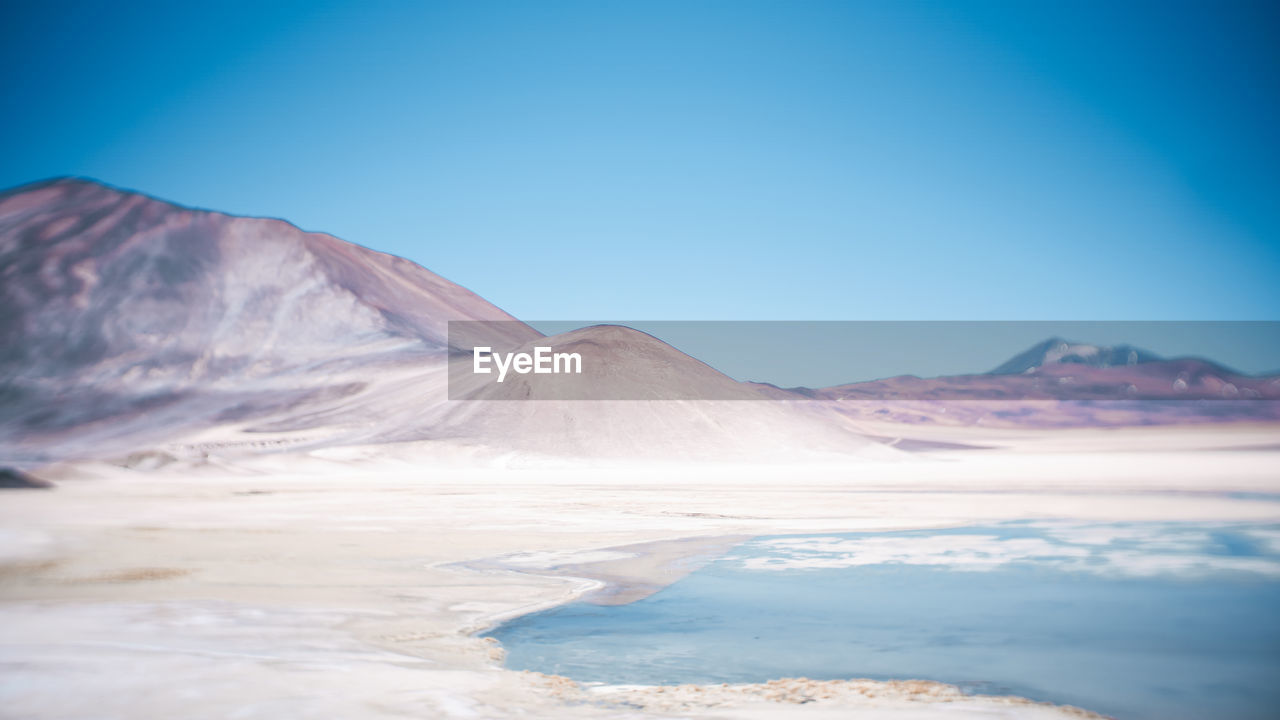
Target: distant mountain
column 1056, row 351
column 1058, row 383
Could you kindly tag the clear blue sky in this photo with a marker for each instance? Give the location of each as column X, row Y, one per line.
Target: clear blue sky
column 701, row 160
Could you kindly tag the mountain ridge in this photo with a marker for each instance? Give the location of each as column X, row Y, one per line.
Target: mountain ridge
column 122, row 307
column 138, row 323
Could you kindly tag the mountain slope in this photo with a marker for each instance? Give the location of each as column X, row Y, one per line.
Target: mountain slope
column 94, row 273
column 149, row 317
column 134, row 324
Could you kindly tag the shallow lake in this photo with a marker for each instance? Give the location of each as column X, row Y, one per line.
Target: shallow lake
column 1130, row 620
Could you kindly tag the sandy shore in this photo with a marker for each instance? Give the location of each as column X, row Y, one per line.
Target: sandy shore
column 296, row 587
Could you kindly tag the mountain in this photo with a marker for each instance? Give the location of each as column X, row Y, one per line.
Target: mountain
column 135, row 325
column 1057, row 383
column 639, row 397
column 129, row 319
column 1056, row 351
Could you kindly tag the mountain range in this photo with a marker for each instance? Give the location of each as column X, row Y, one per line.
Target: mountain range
column 133, row 325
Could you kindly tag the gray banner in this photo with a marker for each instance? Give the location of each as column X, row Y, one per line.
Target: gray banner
column 871, row 361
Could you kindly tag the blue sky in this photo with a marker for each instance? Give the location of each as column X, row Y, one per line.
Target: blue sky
column 701, row 160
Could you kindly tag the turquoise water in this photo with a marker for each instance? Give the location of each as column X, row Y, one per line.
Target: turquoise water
column 1134, row 621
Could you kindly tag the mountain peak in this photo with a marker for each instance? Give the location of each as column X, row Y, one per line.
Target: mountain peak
column 132, row 303
column 1059, row 351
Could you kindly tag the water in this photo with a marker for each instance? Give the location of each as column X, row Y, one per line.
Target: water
column 1134, row 621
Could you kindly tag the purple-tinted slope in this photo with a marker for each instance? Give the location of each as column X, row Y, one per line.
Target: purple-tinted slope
column 128, row 317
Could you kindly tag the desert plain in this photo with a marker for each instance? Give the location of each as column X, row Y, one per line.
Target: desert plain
column 352, row 582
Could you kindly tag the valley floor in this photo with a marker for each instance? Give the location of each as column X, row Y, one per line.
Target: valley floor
column 351, row 587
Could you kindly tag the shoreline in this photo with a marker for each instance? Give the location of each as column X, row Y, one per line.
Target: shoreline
column 615, row 574
column 340, row 589
column 803, row 691
column 654, row 565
